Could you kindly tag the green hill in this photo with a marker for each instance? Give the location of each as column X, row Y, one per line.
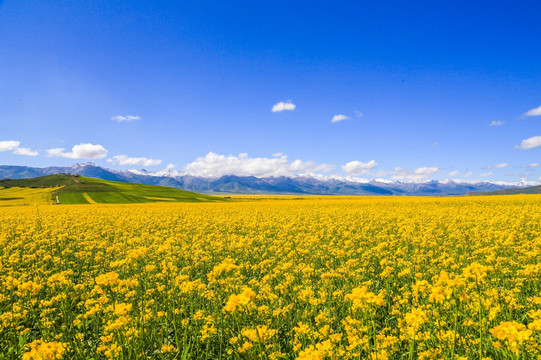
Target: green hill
column 74, row 189
column 512, row 191
column 55, row 180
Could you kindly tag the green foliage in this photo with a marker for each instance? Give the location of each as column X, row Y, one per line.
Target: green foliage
column 40, row 182
column 512, row 191
column 84, row 190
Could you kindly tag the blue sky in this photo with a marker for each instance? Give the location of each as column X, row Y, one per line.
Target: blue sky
column 195, row 82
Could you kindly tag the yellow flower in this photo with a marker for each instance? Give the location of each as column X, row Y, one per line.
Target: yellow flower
column 30, row 286
column 512, row 334
column 168, row 348
column 239, row 301
column 122, row 309
column 259, row 334
column 110, row 278
column 42, row 350
column 310, row 353
column 302, row 329
column 363, row 299
column 414, row 320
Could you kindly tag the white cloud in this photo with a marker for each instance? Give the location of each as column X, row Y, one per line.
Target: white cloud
column 81, row 151
column 454, row 173
column 532, row 165
column 354, row 168
column 339, row 117
column 125, row 160
column 358, row 113
column 417, row 174
column 9, row 145
column 488, row 173
column 496, row 123
column 529, row 143
column 25, row 151
column 533, row 112
column 468, row 174
column 215, row 165
column 281, row 106
column 55, row 151
column 12, row 145
column 497, row 166
column 126, row 118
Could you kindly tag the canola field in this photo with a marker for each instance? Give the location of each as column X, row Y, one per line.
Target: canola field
column 313, row 278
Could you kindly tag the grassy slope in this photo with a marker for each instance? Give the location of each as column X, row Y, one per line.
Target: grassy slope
column 512, row 191
column 107, row 192
column 25, row 195
column 40, row 182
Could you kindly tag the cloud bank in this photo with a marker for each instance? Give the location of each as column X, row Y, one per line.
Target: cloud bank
column 126, row 118
column 283, row 106
column 126, row 160
column 354, row 168
column 9, row 145
column 12, row 145
column 81, row 151
column 216, row 165
column 456, row 173
column 417, row 174
column 25, row 151
column 529, row 143
column 497, row 166
column 533, row 112
column 339, row 117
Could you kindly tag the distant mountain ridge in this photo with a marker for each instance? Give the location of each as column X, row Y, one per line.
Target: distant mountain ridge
column 301, row 184
column 513, row 191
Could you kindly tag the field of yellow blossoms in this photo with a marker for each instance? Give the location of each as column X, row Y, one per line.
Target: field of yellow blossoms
column 313, row 278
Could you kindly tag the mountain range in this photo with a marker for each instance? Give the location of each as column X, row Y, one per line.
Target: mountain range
column 300, row 184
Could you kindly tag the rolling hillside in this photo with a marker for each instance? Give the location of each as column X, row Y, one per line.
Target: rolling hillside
column 512, row 191
column 73, row 189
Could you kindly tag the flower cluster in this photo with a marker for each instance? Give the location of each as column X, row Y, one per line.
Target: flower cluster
column 274, row 278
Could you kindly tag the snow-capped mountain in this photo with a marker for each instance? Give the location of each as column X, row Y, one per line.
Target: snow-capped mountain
column 300, row 184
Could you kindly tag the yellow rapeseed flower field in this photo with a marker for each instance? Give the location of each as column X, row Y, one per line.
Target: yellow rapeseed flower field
column 313, row 278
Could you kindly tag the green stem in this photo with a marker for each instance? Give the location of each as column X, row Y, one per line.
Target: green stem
column 454, row 332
